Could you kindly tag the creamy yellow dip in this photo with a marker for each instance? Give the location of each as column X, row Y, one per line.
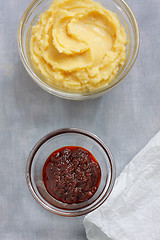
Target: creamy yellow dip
column 78, row 45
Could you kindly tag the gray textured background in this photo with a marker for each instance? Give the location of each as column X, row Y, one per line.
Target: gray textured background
column 126, row 118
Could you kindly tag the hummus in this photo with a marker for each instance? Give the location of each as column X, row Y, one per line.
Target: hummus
column 78, row 45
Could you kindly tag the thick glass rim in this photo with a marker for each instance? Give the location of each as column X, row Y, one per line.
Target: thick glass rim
column 62, row 212
column 78, row 96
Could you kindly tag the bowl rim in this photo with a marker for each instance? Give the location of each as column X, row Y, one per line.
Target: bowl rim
column 55, row 210
column 69, row 95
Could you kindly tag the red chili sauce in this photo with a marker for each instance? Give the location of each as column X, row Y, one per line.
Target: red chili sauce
column 71, row 174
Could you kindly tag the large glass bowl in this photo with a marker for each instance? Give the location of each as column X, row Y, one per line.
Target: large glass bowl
column 30, row 18
column 56, row 140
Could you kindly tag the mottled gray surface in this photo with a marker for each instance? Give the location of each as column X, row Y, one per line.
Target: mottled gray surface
column 126, row 118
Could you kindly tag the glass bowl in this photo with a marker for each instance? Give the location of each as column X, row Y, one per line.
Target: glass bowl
column 30, row 18
column 54, row 141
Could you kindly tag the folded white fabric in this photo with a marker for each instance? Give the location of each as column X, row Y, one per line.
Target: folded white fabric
column 132, row 212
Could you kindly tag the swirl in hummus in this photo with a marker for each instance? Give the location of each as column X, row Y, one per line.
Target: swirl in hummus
column 78, row 45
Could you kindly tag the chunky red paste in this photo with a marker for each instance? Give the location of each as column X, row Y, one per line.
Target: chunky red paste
column 71, row 174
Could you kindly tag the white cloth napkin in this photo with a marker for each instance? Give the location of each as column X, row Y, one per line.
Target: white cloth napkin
column 132, row 212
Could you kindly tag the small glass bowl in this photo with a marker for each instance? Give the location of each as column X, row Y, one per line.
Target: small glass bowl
column 54, row 141
column 30, row 18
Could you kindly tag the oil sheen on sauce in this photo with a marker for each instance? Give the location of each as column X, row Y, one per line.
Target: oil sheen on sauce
column 71, row 174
